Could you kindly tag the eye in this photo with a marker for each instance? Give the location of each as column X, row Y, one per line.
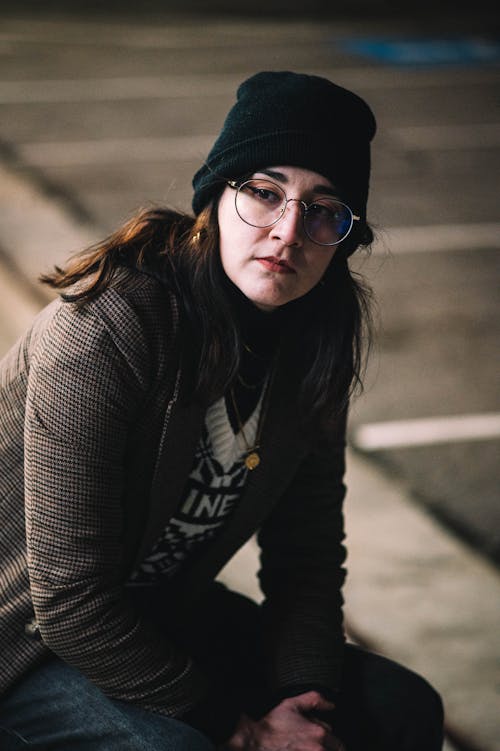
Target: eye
column 263, row 192
column 321, row 211
column 327, row 210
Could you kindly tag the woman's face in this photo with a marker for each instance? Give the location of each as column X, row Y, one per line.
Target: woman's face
column 277, row 264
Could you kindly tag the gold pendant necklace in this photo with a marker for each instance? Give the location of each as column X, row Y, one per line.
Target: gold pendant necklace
column 252, row 458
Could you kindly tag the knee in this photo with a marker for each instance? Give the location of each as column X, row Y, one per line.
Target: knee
column 139, row 730
column 424, row 700
column 421, row 715
column 406, row 710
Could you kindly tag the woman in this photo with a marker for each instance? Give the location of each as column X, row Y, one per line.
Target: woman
column 189, row 390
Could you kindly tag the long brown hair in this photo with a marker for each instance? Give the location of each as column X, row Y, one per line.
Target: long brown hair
column 332, row 323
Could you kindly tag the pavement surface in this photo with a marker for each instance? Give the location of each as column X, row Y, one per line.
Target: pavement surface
column 99, row 116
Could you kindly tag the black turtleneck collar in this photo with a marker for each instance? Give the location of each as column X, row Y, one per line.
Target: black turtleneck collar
column 260, row 335
column 260, row 330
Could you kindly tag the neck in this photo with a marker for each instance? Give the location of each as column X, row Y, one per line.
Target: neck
column 259, row 330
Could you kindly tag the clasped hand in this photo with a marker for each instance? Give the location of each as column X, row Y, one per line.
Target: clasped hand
column 290, row 726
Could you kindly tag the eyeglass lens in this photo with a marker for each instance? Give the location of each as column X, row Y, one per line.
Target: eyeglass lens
column 262, row 203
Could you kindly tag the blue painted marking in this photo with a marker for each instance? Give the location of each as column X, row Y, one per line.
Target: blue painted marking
column 427, row 51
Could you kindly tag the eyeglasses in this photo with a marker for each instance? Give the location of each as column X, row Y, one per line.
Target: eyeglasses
column 262, row 203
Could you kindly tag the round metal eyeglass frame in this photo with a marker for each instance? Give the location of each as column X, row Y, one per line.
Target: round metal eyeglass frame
column 237, row 186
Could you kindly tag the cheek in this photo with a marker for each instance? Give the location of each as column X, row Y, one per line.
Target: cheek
column 227, row 217
column 237, row 241
column 231, row 245
column 227, row 233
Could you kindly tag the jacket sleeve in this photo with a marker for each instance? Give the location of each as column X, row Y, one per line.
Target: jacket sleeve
column 83, row 398
column 301, row 576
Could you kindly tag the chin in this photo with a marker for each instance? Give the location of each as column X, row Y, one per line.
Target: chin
column 265, row 307
column 269, row 299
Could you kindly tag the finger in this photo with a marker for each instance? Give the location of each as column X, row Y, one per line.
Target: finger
column 324, row 738
column 330, row 742
column 321, row 723
column 313, row 700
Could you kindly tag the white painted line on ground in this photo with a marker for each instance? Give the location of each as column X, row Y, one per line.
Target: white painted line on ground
column 465, row 136
column 165, row 35
column 17, row 308
column 434, row 238
column 147, row 40
column 113, row 89
column 207, row 85
column 115, row 150
column 364, row 79
column 427, row 431
column 35, row 229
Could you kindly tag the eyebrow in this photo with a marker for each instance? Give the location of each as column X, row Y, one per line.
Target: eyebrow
column 324, row 189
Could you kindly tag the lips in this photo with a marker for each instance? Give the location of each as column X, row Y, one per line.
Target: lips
column 276, row 265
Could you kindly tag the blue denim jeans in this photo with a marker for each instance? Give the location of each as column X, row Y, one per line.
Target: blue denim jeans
column 55, row 708
column 381, row 706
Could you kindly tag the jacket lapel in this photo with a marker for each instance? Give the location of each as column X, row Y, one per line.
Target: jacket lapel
column 180, row 435
column 282, row 450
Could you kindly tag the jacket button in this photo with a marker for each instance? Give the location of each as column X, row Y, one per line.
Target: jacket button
column 32, row 629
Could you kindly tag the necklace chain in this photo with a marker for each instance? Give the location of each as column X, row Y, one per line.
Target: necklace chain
column 252, row 458
column 250, row 351
column 247, row 385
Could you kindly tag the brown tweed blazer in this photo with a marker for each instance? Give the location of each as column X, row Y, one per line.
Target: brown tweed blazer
column 95, row 445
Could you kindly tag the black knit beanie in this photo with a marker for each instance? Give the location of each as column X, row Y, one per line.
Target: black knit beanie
column 297, row 120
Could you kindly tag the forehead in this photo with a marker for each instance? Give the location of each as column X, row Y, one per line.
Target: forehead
column 298, row 177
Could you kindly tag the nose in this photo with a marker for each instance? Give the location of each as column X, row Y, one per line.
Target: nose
column 290, row 229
